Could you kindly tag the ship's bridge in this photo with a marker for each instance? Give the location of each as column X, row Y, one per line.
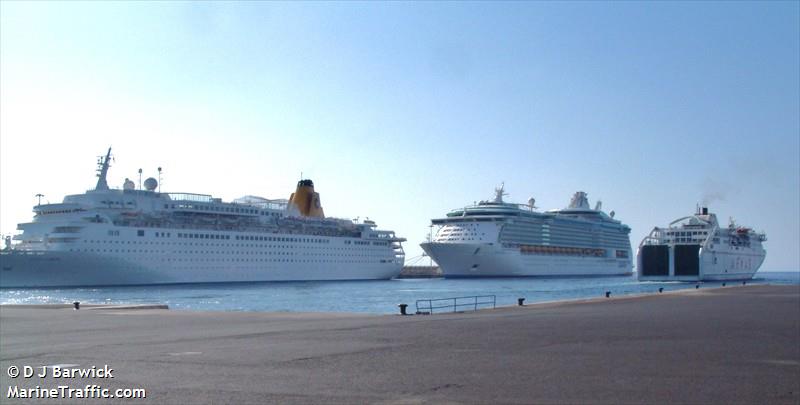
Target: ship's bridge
column 695, row 221
column 485, row 212
column 485, row 209
column 490, row 210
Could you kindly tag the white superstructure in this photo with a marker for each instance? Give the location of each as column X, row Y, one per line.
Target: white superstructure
column 142, row 236
column 499, row 239
column 696, row 248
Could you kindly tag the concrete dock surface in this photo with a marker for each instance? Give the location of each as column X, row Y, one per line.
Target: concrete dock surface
column 727, row 345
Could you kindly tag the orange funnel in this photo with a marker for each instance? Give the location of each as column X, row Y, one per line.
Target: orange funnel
column 306, row 200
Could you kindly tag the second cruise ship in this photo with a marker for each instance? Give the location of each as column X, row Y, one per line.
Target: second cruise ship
column 500, row 239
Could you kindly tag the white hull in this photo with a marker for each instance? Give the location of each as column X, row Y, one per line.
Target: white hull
column 159, row 256
column 461, row 260
column 723, row 264
column 65, row 269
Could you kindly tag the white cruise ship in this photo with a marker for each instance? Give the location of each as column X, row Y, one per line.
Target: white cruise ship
column 142, row 236
column 499, row 239
column 696, row 248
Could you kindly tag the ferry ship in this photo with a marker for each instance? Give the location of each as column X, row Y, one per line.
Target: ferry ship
column 696, row 248
column 137, row 236
column 499, row 239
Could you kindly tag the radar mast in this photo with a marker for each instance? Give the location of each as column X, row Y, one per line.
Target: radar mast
column 499, row 192
column 102, row 170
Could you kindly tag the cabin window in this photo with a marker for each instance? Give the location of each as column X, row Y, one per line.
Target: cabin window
column 140, row 232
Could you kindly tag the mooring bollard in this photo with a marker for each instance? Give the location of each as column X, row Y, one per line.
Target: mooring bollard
column 608, row 294
column 520, row 301
column 403, row 309
column 697, row 286
column 660, row 289
column 77, row 305
column 744, row 282
column 723, row 284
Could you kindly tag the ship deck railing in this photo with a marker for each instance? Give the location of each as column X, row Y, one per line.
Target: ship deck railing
column 456, row 304
column 235, row 228
column 17, row 251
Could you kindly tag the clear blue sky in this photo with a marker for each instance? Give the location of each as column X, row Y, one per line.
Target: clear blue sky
column 403, row 111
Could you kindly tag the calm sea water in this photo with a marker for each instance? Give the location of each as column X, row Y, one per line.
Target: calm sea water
column 378, row 297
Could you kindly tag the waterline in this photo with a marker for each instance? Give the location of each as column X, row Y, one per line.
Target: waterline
column 377, row 297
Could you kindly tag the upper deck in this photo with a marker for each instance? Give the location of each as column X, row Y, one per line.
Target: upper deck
column 148, row 207
column 703, row 229
column 499, row 210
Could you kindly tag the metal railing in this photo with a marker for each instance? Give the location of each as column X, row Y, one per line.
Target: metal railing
column 456, row 304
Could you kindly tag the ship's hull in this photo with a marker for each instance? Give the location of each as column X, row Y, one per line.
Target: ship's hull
column 697, row 264
column 73, row 269
column 466, row 260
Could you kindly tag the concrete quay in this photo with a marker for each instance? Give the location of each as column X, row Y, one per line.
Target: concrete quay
column 726, row 345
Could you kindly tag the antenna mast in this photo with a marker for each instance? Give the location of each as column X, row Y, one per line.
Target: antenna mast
column 102, row 170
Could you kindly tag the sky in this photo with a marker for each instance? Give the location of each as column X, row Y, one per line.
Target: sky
column 402, row 111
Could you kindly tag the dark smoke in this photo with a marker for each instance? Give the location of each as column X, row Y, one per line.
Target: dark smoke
column 714, row 191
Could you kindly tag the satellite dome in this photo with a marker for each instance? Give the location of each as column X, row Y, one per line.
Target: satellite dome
column 128, row 185
column 150, row 184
